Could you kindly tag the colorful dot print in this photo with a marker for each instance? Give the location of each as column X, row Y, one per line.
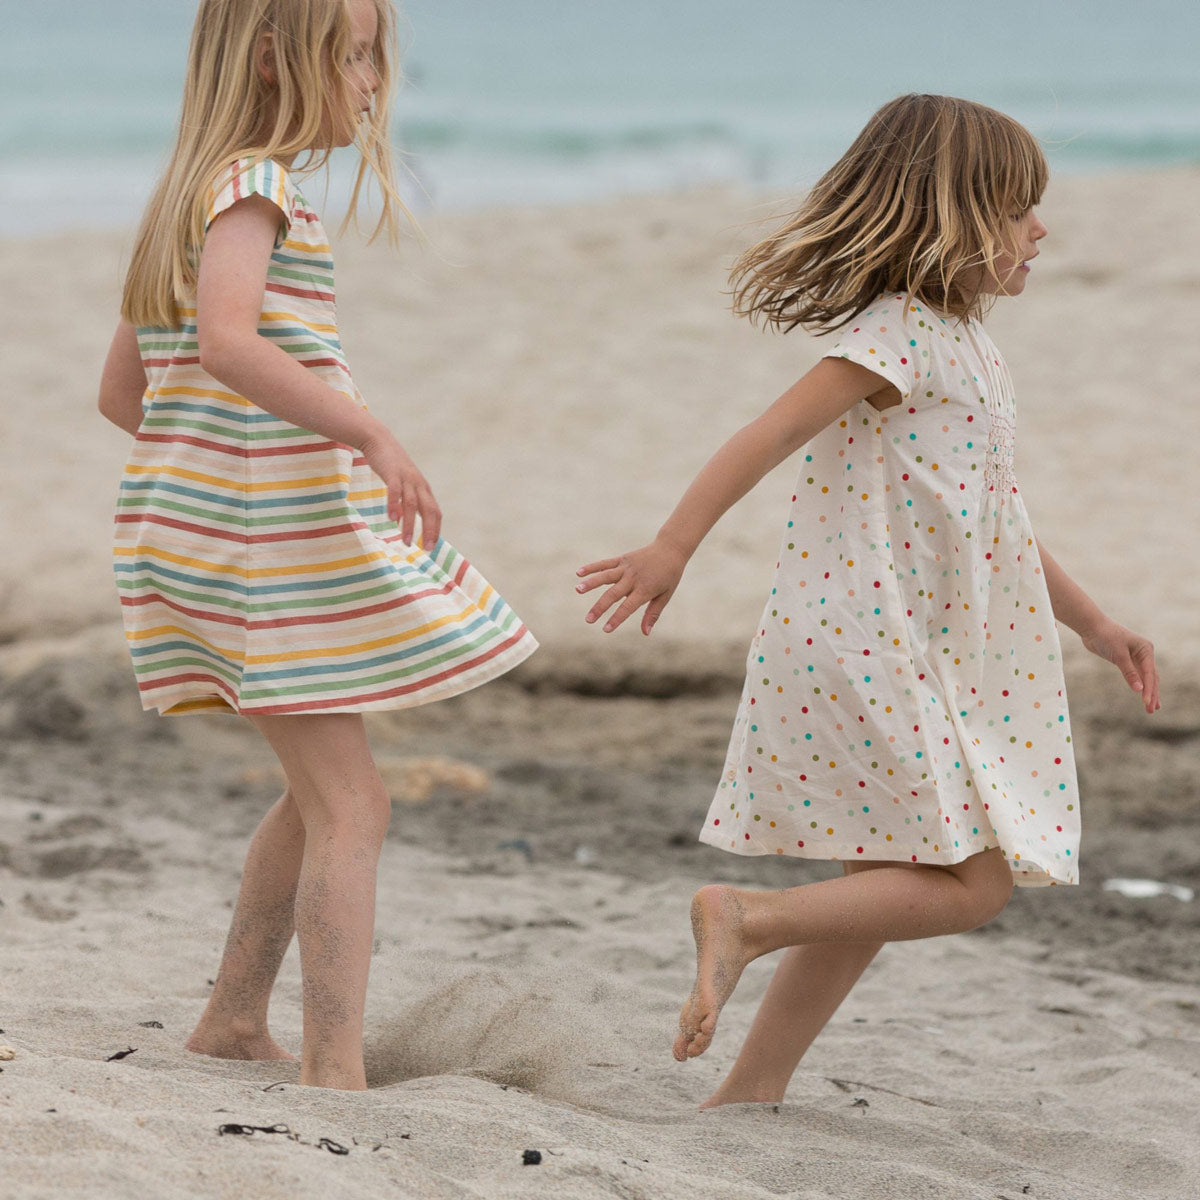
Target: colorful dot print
column 904, row 697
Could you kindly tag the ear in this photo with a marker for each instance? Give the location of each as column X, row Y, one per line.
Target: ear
column 264, row 57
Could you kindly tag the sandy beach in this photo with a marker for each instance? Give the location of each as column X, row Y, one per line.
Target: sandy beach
column 560, row 374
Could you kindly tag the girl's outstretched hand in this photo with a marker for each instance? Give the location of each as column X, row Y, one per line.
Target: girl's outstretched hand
column 409, row 495
column 1131, row 654
column 647, row 576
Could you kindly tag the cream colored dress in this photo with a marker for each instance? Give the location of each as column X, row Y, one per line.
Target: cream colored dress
column 904, row 694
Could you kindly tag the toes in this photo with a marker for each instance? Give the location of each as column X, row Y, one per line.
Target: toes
column 682, row 1048
column 695, row 1033
column 683, row 1040
column 693, row 1040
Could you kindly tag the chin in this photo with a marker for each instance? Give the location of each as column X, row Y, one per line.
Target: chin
column 1014, row 285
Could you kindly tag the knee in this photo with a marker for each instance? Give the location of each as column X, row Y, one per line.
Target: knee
column 383, row 811
column 357, row 811
column 372, row 810
column 990, row 892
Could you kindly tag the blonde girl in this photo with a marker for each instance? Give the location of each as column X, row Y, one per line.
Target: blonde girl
column 904, row 710
column 278, row 553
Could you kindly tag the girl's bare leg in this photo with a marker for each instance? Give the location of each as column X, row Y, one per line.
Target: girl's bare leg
column 345, row 811
column 807, row 988
column 234, row 1023
column 892, row 902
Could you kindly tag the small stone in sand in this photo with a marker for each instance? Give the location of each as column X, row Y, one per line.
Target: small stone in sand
column 416, row 780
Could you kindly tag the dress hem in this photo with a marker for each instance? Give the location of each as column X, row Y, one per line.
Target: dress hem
column 1041, row 876
column 187, row 702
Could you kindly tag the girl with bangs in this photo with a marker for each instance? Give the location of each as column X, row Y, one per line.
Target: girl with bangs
column 904, row 711
column 278, row 553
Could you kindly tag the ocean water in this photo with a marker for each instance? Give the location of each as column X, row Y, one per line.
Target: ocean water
column 544, row 101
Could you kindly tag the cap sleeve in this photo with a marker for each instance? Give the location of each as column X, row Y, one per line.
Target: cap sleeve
column 251, row 177
column 879, row 339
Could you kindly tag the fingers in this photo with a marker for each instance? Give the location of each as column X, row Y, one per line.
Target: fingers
column 1135, row 660
column 409, row 497
column 600, row 575
column 628, row 601
column 409, row 500
column 431, row 521
column 619, row 592
column 627, row 608
column 647, row 576
column 408, row 512
column 628, row 598
column 653, row 612
column 1147, row 674
column 605, row 564
column 1133, row 656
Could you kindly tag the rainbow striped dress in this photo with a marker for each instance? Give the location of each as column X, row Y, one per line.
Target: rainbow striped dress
column 257, row 567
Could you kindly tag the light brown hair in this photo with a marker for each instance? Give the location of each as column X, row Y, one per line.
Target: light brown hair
column 922, row 203
column 231, row 111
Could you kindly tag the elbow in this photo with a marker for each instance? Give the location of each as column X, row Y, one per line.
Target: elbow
column 122, row 409
column 222, row 354
column 110, row 406
column 213, row 353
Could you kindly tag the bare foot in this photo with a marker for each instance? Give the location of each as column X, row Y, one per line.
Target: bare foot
column 719, row 1097
column 236, row 1045
column 718, row 917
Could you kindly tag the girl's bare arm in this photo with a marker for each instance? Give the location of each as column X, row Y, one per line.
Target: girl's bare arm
column 233, row 270
column 123, row 381
column 650, row 575
column 1129, row 652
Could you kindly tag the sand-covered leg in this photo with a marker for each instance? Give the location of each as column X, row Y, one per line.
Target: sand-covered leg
column 718, row 924
column 345, row 810
column 234, row 1022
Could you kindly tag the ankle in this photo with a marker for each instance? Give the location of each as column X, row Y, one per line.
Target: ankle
column 337, row 1076
column 757, row 924
column 232, row 1027
column 749, row 1093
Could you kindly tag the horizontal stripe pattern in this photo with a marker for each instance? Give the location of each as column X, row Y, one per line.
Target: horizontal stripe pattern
column 256, row 566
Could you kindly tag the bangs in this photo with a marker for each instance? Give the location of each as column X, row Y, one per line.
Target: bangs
column 1018, row 169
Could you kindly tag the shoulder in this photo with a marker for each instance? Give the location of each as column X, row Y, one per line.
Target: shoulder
column 884, row 337
column 246, row 177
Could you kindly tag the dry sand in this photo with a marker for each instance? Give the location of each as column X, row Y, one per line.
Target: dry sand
column 560, row 374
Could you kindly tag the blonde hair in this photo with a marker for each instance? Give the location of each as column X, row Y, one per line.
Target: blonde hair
column 230, row 111
column 921, row 203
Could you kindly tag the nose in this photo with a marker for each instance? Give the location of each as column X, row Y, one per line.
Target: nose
column 1037, row 230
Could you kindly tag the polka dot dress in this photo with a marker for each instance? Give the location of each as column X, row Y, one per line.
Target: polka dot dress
column 904, row 696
